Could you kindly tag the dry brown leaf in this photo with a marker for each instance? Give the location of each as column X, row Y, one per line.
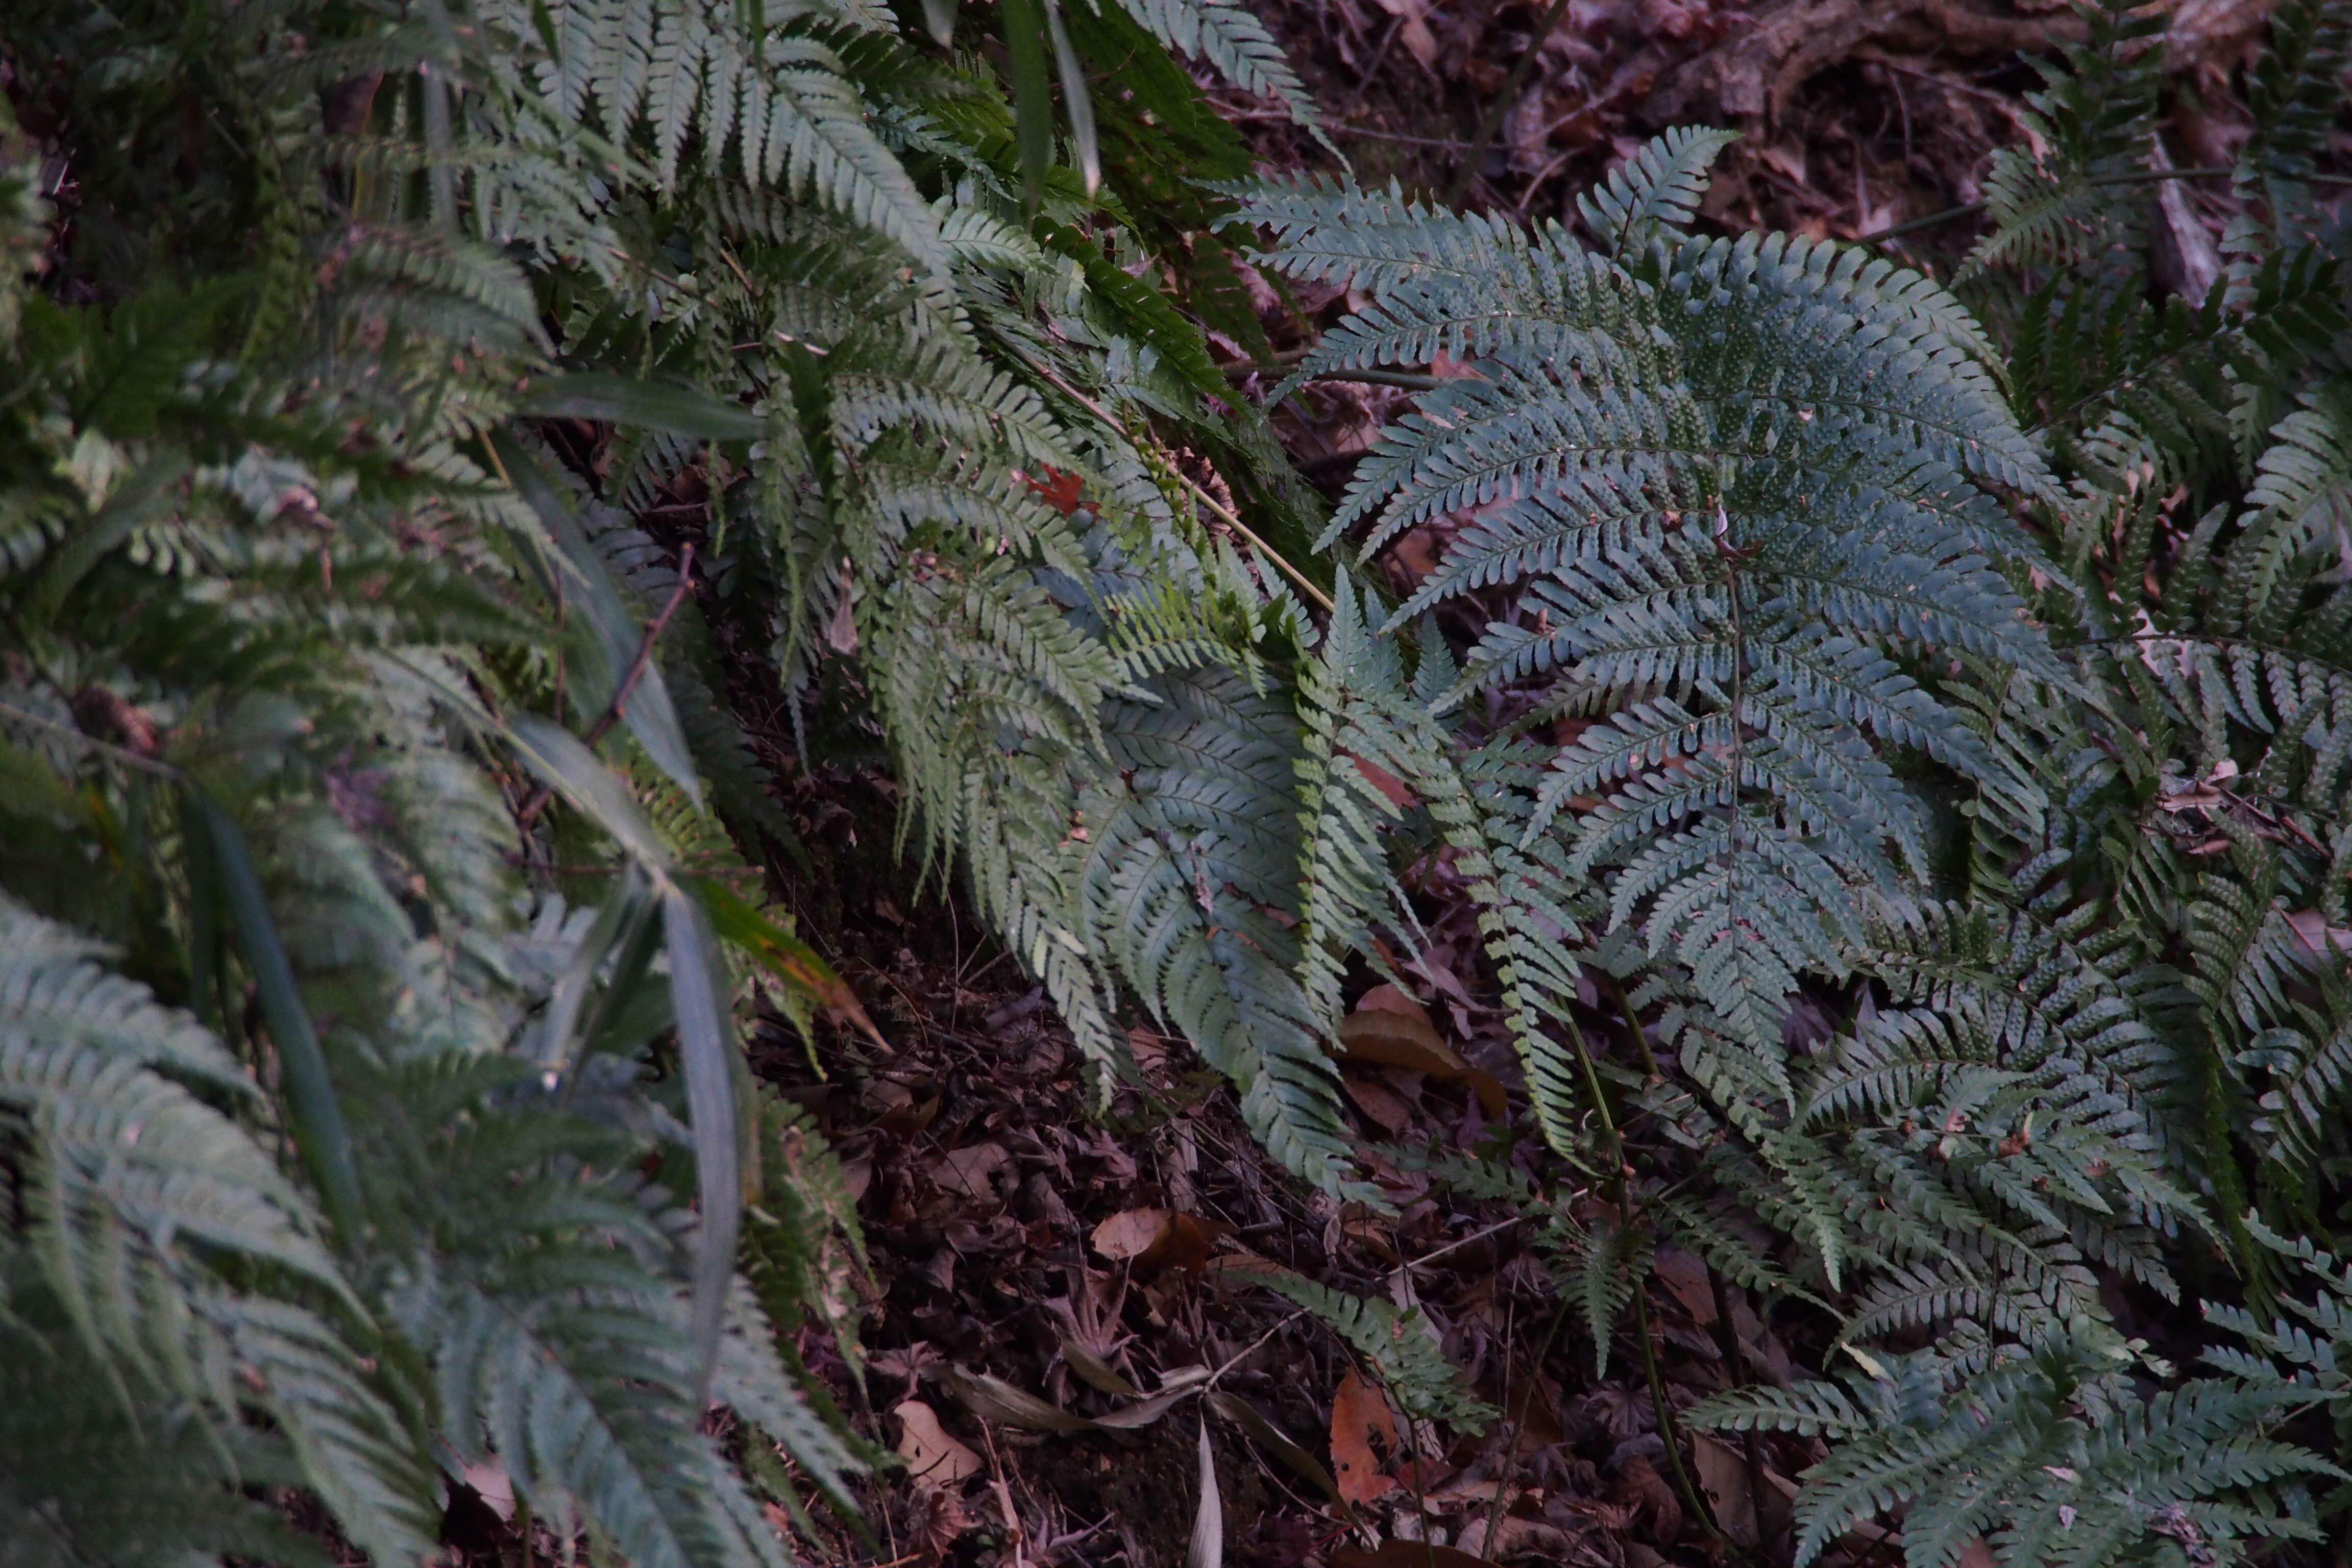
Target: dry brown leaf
column 1975, row 1552
column 1380, row 1037
column 1406, row 1554
column 1359, row 1411
column 1416, row 36
column 1640, row 1484
column 931, row 1454
column 971, row 1172
column 1207, row 1547
column 993, row 1399
column 1092, row 1369
column 1384, row 1106
column 492, row 1484
column 1723, row 1477
column 1274, row 1440
column 1489, row 1090
column 1516, row 1537
column 1684, row 1275
column 1151, row 1240
column 1381, row 779
column 1130, row 1234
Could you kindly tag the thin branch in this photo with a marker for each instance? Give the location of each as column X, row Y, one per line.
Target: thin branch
column 127, row 757
column 636, row 672
column 1414, row 380
column 1493, row 119
column 1210, row 503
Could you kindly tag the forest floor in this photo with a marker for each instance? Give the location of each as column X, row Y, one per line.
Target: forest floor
column 1035, row 1272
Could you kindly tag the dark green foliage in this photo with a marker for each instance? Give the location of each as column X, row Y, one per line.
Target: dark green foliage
column 310, row 605
column 1986, row 697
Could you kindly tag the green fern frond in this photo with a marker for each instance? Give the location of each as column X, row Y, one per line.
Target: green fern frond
column 1399, row 1345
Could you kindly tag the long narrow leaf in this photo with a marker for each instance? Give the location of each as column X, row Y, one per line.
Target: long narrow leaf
column 651, row 405
column 707, row 1046
column 318, row 1117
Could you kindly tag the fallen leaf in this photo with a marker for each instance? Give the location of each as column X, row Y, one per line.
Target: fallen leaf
column 2312, row 927
column 1384, row 1106
column 1130, row 1234
column 1274, row 1440
column 1174, row 1389
column 841, row 627
column 1207, row 1547
column 1095, row 1372
column 1381, row 1037
column 1406, row 1554
column 1381, row 779
column 1723, row 1477
column 971, row 1171
column 993, row 1399
column 1418, row 41
column 1055, row 488
column 1151, row 1240
column 1516, row 1537
column 1639, row 1483
column 1359, row 1413
column 930, row 1454
column 1489, row 1090
column 1389, row 1028
column 1684, row 1275
column 492, row 1484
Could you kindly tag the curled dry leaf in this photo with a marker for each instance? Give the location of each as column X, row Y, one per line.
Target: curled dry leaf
column 932, row 1457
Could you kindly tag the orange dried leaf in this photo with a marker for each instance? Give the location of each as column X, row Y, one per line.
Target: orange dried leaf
column 1358, row 1414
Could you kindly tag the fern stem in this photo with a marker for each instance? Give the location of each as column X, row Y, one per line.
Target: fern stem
column 1622, row 1196
column 1411, row 380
